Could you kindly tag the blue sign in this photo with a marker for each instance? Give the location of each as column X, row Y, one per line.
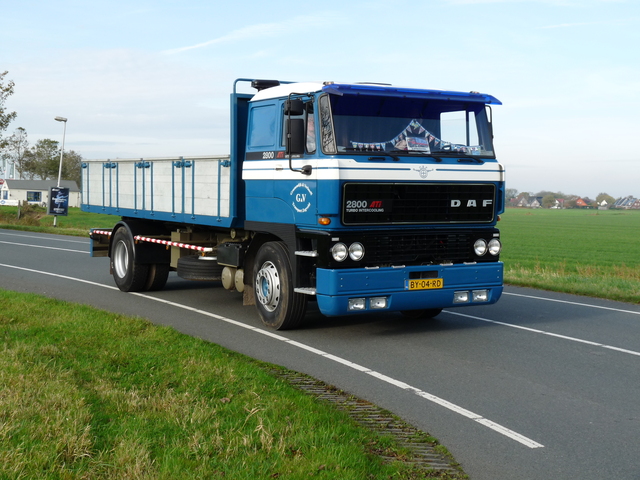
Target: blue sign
column 58, row 201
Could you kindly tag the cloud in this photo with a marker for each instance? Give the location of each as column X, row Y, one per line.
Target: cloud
column 567, row 25
column 557, row 3
column 262, row 31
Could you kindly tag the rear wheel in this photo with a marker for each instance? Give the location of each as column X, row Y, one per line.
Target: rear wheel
column 278, row 305
column 129, row 276
column 157, row 278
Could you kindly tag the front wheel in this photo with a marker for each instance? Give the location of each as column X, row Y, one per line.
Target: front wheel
column 278, row 305
column 129, row 276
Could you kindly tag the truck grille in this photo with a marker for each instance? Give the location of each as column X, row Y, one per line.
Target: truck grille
column 418, row 248
column 410, row 247
column 417, row 203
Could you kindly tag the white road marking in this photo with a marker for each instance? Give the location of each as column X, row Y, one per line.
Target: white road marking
column 49, row 248
column 549, row 334
column 396, row 383
column 65, row 239
column 632, row 312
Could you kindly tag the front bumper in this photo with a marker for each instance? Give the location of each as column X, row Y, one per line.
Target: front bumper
column 360, row 290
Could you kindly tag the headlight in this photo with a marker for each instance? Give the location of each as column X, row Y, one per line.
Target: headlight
column 480, row 247
column 356, row 251
column 494, row 246
column 339, row 252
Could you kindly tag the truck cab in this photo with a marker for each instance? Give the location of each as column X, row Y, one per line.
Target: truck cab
column 389, row 196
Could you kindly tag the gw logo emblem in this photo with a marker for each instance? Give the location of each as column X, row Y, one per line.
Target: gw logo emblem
column 423, row 171
column 300, row 196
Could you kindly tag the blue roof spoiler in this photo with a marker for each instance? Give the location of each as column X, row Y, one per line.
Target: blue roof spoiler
column 391, row 91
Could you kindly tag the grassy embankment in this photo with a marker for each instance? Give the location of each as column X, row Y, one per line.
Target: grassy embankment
column 585, row 252
column 35, row 219
column 90, row 394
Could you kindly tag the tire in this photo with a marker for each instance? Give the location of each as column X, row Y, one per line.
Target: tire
column 128, row 275
column 426, row 313
column 278, row 305
column 196, row 267
column 157, row 277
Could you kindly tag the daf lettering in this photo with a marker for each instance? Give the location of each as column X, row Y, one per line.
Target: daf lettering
column 471, row 203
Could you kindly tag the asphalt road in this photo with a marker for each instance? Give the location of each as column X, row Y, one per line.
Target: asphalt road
column 539, row 386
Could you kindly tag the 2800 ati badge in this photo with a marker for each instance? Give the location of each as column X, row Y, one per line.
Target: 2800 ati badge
column 300, row 197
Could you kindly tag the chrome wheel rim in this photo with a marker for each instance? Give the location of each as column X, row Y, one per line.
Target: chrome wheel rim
column 268, row 286
column 120, row 259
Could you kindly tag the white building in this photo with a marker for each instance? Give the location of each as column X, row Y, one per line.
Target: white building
column 35, row 191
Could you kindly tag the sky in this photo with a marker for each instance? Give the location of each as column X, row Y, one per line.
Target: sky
column 152, row 78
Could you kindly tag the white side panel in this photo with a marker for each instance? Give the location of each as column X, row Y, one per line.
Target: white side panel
column 192, row 186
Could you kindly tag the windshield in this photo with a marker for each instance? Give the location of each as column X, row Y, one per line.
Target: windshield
column 395, row 125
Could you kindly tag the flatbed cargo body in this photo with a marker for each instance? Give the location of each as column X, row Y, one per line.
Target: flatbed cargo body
column 195, row 190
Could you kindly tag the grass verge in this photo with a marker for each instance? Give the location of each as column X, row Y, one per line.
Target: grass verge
column 35, row 219
column 584, row 252
column 90, row 394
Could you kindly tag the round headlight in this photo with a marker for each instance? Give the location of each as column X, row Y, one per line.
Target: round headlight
column 494, row 246
column 356, row 251
column 339, row 252
column 480, row 247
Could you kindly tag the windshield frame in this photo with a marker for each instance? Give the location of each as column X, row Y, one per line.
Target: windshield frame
column 417, row 123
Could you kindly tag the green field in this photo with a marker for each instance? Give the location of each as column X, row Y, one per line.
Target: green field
column 586, row 252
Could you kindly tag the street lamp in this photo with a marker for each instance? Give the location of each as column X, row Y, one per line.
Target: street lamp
column 64, row 132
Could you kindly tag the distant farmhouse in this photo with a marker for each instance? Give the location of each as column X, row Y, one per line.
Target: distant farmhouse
column 35, row 191
column 524, row 201
column 627, row 203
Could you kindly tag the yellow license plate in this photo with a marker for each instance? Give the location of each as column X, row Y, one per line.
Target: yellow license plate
column 424, row 284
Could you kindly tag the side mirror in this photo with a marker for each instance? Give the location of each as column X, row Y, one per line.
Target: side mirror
column 293, row 107
column 295, row 136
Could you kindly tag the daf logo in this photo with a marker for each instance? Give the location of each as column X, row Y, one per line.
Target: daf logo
column 471, row 203
column 423, row 171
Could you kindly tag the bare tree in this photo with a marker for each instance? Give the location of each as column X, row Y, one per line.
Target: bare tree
column 13, row 153
column 6, row 90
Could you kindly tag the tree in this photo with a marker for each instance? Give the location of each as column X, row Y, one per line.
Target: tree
column 5, row 117
column 511, row 193
column 72, row 166
column 42, row 161
column 606, row 197
column 548, row 200
column 14, row 152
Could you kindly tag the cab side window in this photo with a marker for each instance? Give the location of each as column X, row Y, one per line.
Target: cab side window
column 262, row 126
column 310, row 130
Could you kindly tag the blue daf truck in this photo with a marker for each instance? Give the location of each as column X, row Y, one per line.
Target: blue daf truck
column 359, row 197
